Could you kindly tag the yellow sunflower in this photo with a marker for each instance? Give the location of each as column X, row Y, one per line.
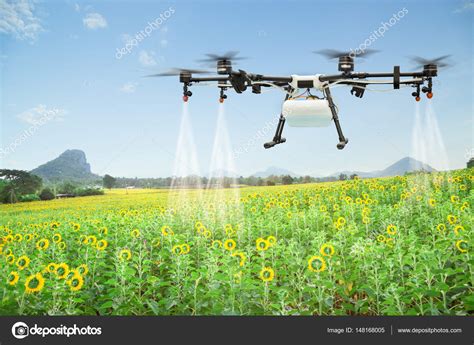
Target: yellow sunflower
column 381, row 238
column 22, row 262
column 34, row 283
column 76, row 282
column 316, row 259
column 92, row 240
column 62, row 270
column 125, row 254
column 57, row 238
column 83, row 269
column 13, row 278
column 267, row 274
column 441, row 227
column 185, row 248
column 52, row 267
column 458, row 228
column 271, row 240
column 177, row 249
column 42, row 244
column 135, row 233
column 216, row 244
column 229, row 244
column 166, row 231
column 101, row 245
column 452, row 219
column 391, row 229
column 242, row 257
column 327, row 250
column 10, row 258
column 262, row 244
column 461, row 245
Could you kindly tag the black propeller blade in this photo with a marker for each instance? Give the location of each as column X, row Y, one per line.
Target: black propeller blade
column 230, row 55
column 178, row 71
column 439, row 62
column 335, row 54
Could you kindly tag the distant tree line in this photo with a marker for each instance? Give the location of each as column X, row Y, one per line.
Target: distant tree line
column 23, row 186
column 226, row 182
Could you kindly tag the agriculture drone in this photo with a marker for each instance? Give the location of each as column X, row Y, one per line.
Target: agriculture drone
column 305, row 109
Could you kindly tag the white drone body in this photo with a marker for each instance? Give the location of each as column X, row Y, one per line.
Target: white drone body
column 308, row 111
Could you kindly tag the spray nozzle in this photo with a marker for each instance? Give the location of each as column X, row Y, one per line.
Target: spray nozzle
column 222, row 97
column 186, row 93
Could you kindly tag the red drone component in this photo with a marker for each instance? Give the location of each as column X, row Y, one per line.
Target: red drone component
column 429, row 95
column 185, row 98
column 221, row 100
column 417, row 98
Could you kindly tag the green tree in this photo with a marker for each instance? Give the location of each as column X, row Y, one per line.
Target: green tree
column 287, row 179
column 67, row 188
column 109, row 181
column 46, row 194
column 18, row 183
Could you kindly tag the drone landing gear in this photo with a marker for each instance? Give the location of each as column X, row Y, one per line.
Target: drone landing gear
column 342, row 140
column 277, row 139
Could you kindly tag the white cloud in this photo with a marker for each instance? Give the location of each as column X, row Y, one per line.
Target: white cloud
column 77, row 8
column 164, row 43
column 129, row 87
column 17, row 18
column 147, row 59
column 94, row 21
column 467, row 6
column 41, row 114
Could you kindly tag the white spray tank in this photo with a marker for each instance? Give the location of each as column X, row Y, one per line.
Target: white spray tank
column 307, row 112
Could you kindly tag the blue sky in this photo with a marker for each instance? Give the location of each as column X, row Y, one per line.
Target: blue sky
column 60, row 58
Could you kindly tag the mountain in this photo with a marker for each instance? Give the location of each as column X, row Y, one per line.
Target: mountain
column 400, row 167
column 71, row 165
column 275, row 171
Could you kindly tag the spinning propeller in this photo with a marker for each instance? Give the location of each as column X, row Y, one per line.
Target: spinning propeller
column 224, row 61
column 178, row 71
column 439, row 62
column 346, row 59
column 336, row 54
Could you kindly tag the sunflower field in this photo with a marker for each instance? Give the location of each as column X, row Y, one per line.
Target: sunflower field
column 388, row 246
